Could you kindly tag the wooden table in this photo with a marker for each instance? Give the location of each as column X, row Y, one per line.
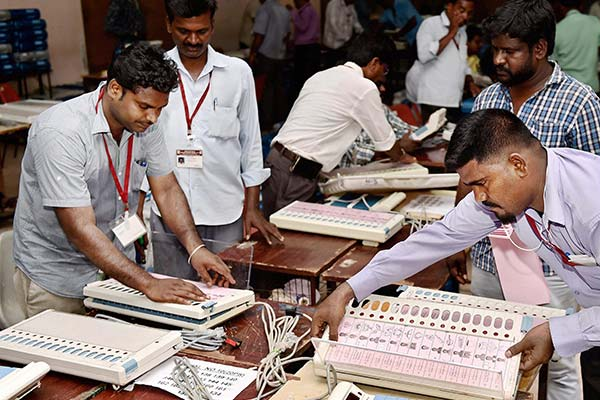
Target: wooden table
column 246, row 327
column 304, row 255
column 353, row 261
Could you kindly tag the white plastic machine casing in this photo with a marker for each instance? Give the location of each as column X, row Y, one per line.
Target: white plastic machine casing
column 370, row 226
column 223, row 304
column 375, row 348
column 88, row 347
column 22, row 381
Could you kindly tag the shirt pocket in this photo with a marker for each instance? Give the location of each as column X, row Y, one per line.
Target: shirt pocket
column 224, row 124
column 138, row 172
column 590, row 275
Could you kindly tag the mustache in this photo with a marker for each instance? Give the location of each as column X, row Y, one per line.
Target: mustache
column 194, row 46
column 490, row 204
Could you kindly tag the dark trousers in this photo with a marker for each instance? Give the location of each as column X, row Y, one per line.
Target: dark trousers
column 284, row 187
column 272, row 106
column 306, row 64
column 590, row 373
column 452, row 113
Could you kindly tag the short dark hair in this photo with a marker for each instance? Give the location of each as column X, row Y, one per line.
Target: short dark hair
column 473, row 31
column 527, row 20
column 142, row 66
column 189, row 8
column 485, row 134
column 367, row 46
column 570, row 3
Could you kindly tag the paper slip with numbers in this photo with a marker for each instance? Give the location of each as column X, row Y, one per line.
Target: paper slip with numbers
column 224, row 382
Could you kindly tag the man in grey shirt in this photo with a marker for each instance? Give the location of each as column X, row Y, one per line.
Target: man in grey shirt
column 267, row 54
column 84, row 162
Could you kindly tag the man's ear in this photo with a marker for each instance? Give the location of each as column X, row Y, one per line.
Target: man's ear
column 519, row 164
column 540, row 49
column 168, row 23
column 114, row 90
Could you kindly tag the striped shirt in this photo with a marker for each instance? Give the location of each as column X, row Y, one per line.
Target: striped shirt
column 565, row 113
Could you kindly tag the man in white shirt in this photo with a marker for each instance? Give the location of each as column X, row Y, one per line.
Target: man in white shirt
column 248, row 23
column 437, row 77
column 213, row 136
column 341, row 22
column 332, row 108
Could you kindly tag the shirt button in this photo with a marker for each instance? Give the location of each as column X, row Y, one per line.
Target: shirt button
column 576, row 292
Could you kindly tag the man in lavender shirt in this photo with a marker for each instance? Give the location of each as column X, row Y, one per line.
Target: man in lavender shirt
column 550, row 196
column 307, row 51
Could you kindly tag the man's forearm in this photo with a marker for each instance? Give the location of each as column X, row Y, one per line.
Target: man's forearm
column 252, row 197
column 445, row 40
column 81, row 230
column 176, row 214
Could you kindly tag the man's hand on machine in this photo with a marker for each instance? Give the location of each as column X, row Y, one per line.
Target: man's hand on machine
column 211, row 268
column 331, row 311
column 173, row 291
column 536, row 347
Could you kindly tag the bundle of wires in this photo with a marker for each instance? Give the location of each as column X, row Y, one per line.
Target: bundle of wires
column 188, row 381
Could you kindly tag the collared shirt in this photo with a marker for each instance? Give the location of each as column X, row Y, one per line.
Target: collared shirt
column 576, row 47
column 248, row 22
column 226, row 129
column 273, row 22
column 332, row 108
column 341, row 22
column 307, row 28
column 564, row 113
column 571, row 221
column 399, row 15
column 65, row 165
column 438, row 80
column 362, row 151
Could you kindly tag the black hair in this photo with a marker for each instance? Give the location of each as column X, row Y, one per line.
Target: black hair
column 485, row 134
column 189, row 8
column 570, row 3
column 142, row 66
column 526, row 20
column 454, row 1
column 367, row 46
column 473, row 31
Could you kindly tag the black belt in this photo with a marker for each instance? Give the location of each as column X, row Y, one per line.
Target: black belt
column 300, row 166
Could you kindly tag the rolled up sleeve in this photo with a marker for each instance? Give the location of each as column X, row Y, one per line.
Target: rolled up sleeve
column 427, row 44
column 252, row 167
column 370, row 115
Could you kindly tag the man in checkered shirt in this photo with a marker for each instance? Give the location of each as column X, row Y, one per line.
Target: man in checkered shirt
column 560, row 112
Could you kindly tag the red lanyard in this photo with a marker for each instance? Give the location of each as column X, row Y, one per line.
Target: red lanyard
column 188, row 118
column 122, row 190
column 564, row 258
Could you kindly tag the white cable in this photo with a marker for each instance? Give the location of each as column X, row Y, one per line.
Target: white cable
column 110, row 318
column 509, row 234
column 186, row 378
column 282, row 345
column 206, row 340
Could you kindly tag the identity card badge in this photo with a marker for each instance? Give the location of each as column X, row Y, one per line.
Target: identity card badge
column 128, row 228
column 189, row 158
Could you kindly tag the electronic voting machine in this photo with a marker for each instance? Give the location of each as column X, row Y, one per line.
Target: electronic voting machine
column 93, row 348
column 223, row 304
column 371, row 227
column 16, row 383
column 430, row 342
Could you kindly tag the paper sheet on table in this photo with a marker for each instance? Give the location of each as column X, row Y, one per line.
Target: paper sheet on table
column 224, row 382
column 520, row 272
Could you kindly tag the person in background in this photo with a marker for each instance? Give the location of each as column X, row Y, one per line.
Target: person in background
column 307, row 50
column 401, row 15
column 341, row 23
column 560, row 112
column 267, row 54
column 577, row 41
column 248, row 23
column 440, row 73
column 474, row 46
column 83, row 166
column 333, row 106
column 212, row 119
column 595, row 9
